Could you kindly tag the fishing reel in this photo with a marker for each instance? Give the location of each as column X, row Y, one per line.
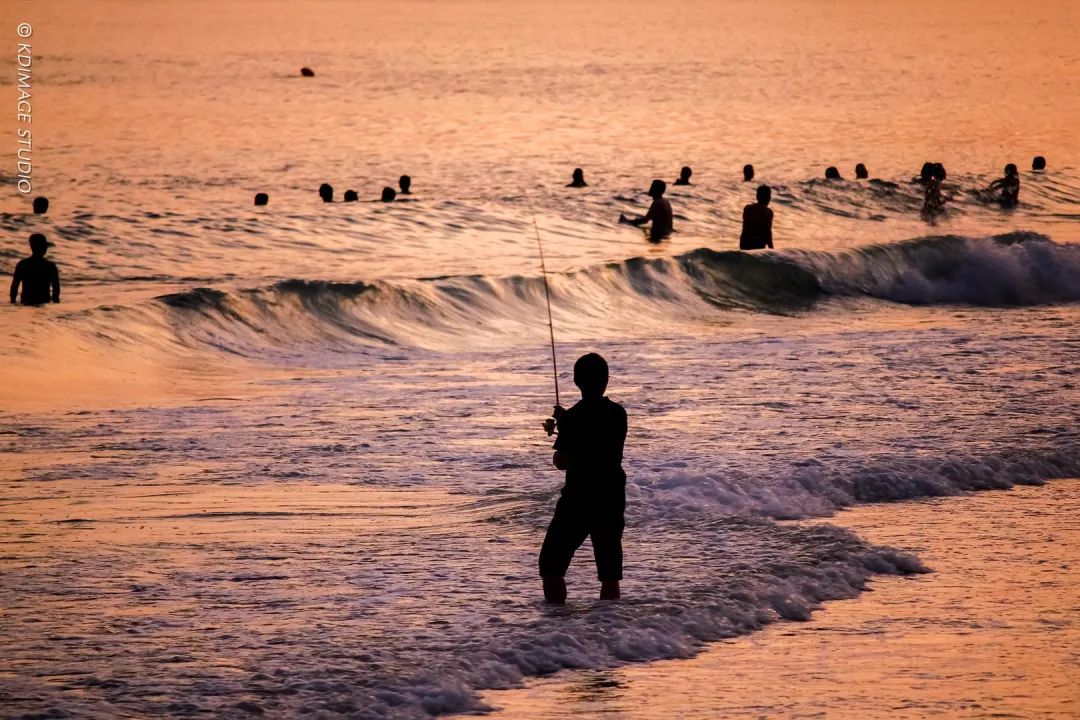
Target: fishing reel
column 551, row 425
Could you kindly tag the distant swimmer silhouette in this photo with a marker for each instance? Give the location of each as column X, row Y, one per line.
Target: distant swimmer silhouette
column 405, row 182
column 1006, row 190
column 684, row 175
column 350, row 196
column 934, row 199
column 388, row 194
column 659, row 214
column 860, row 172
column 747, row 173
column 39, row 277
column 1038, row 163
column 307, row 72
column 757, row 222
column 261, row 199
column 41, row 205
column 578, row 180
column 593, row 499
column 831, row 173
column 326, row 192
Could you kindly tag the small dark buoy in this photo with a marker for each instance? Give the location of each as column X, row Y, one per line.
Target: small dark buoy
column 41, row 205
column 307, row 72
column 351, row 196
column 261, row 199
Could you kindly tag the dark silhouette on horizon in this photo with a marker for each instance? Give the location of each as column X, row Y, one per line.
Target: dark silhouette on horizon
column 861, row 173
column 405, row 182
column 831, row 173
column 261, row 199
column 578, row 179
column 41, row 205
column 926, row 174
column 592, row 502
column 388, row 195
column 1007, row 188
column 747, row 173
column 350, row 196
column 659, row 214
column 40, row 279
column 307, row 72
column 1038, row 163
column 326, row 192
column 757, row 219
column 684, row 175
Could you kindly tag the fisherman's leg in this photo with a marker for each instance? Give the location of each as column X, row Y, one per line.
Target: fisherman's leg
column 564, row 537
column 607, row 549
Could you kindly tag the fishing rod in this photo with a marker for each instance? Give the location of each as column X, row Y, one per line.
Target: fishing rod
column 551, row 325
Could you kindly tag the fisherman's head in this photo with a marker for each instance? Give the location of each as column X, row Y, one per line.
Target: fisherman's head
column 1038, row 163
column 860, row 172
column 38, row 245
column 326, row 192
column 261, row 199
column 831, row 173
column 41, row 205
column 579, row 176
column 685, row 173
column 591, row 375
column 1010, row 170
column 747, row 173
column 657, row 189
column 927, row 171
column 388, row 194
column 764, row 194
column 404, row 182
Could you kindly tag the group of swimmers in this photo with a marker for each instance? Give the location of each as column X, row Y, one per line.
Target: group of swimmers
column 39, row 278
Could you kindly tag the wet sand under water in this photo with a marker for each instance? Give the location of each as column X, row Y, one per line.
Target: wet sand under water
column 994, row 631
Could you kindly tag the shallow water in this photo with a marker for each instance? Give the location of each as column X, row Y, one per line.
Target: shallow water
column 288, row 458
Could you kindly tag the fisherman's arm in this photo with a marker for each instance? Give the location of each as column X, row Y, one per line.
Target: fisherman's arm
column 16, row 278
column 54, row 281
column 768, row 231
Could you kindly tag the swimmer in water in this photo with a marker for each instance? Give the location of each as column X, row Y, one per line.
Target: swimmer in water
column 578, row 180
column 660, row 214
column 1007, row 188
column 684, row 176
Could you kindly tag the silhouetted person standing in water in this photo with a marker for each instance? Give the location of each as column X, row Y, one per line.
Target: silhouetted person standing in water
column 1008, row 187
column 747, row 173
column 39, row 277
column 41, row 205
column 684, row 175
column 590, row 449
column 660, row 214
column 578, row 180
column 861, row 172
column 405, row 182
column 1038, row 163
column 934, row 200
column 326, row 192
column 757, row 222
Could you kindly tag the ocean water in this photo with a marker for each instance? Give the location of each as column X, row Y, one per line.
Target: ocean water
column 289, row 460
